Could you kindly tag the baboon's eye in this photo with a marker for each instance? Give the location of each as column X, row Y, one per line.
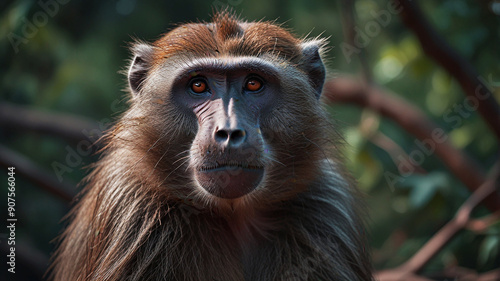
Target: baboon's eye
column 253, row 84
column 198, row 86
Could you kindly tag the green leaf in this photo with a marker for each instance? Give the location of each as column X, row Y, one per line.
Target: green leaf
column 489, row 248
column 424, row 187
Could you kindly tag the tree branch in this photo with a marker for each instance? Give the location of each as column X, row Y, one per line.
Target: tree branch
column 446, row 233
column 489, row 276
column 439, row 50
column 38, row 176
column 414, row 121
column 60, row 125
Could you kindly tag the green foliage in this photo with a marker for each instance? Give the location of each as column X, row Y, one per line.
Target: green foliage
column 424, row 187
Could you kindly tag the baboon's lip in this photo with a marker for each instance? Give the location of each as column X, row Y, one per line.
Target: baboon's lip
column 230, row 180
column 230, row 166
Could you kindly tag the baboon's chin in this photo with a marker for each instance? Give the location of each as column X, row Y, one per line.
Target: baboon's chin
column 230, row 181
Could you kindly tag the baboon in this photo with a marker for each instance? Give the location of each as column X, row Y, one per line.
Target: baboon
column 225, row 167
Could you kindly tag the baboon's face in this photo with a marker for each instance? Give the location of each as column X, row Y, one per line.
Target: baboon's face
column 229, row 97
column 246, row 104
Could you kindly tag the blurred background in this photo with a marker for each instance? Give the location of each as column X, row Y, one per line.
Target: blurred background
column 60, row 88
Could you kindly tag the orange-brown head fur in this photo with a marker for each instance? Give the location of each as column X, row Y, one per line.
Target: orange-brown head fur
column 227, row 36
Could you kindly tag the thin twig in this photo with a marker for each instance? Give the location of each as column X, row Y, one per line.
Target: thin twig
column 446, row 233
column 481, row 224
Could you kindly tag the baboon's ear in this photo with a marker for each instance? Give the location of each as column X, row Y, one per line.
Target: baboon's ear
column 141, row 63
column 313, row 65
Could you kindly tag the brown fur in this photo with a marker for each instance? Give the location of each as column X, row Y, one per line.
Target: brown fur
column 140, row 219
column 225, row 36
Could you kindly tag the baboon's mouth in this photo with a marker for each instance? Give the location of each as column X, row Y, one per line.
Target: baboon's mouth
column 229, row 180
column 221, row 166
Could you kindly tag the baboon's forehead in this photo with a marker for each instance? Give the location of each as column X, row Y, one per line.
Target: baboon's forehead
column 228, row 36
